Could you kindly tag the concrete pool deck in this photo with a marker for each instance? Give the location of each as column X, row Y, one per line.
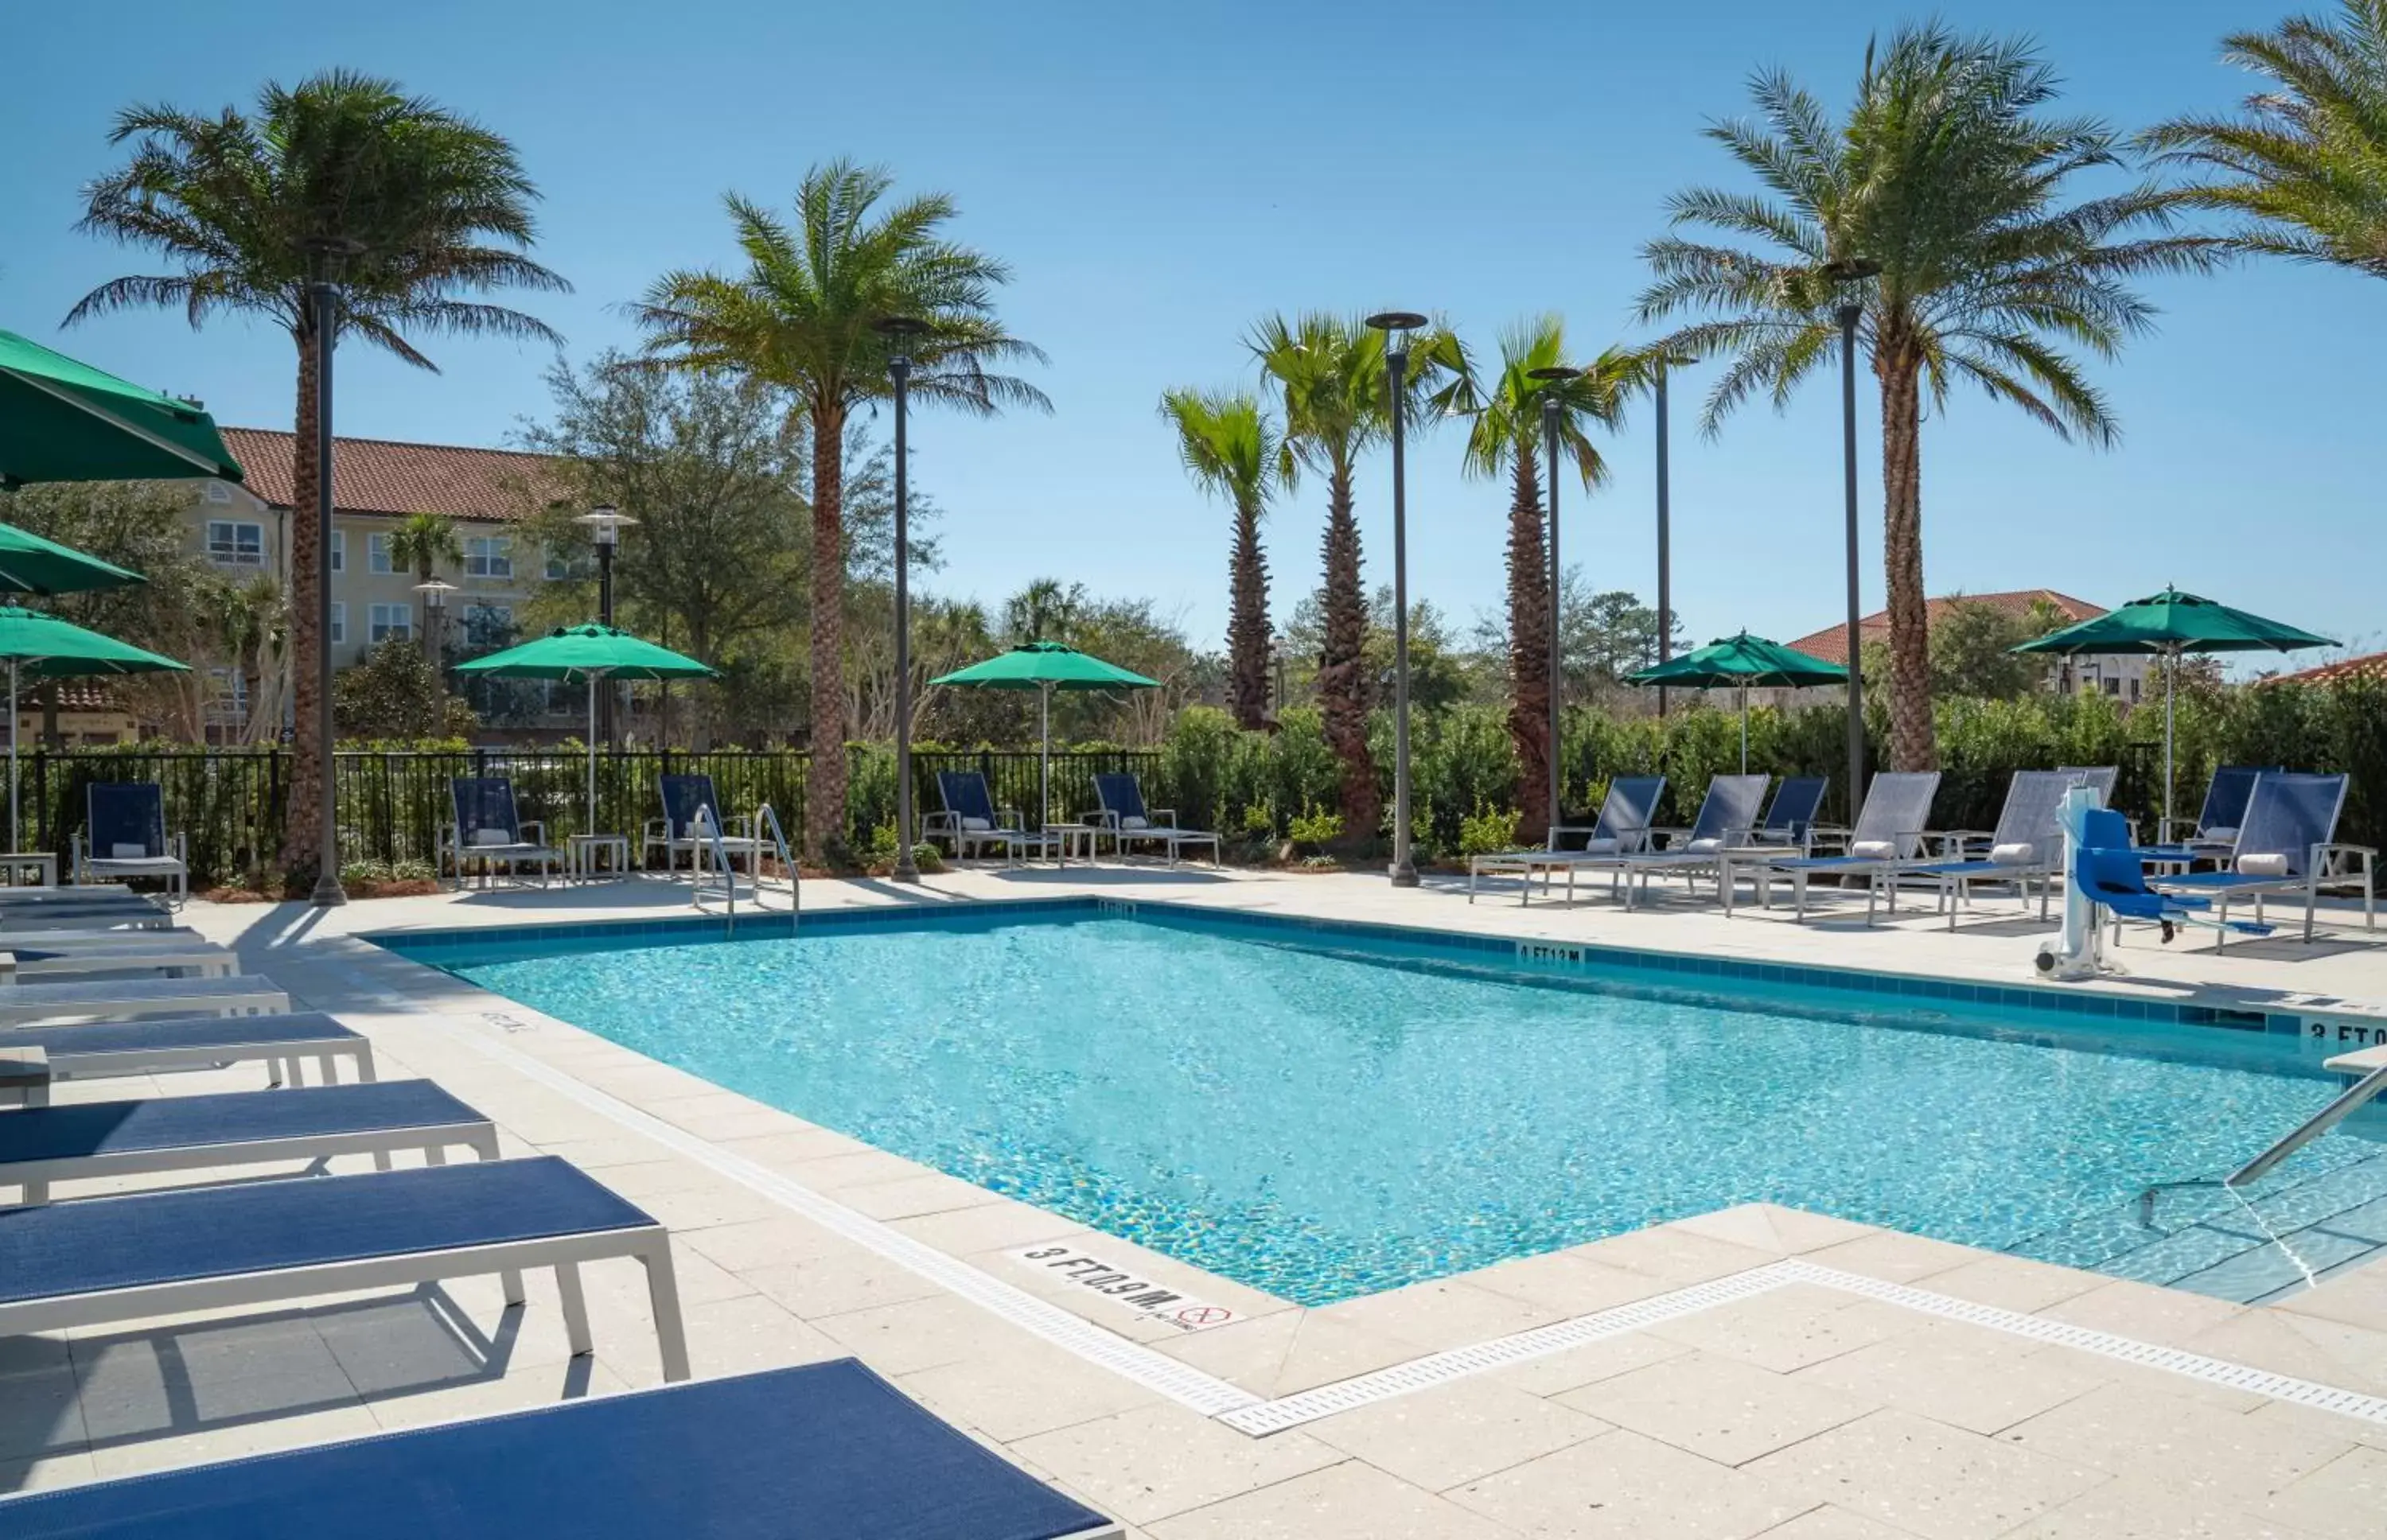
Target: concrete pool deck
column 1754, row 1371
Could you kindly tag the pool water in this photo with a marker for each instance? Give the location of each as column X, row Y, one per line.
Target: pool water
column 1321, row 1124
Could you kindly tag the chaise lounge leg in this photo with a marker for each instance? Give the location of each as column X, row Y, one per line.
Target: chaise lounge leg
column 575, row 1310
column 663, row 1299
column 513, row 1280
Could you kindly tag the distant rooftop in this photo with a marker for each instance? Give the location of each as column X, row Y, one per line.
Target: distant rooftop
column 1831, row 643
column 380, row 475
column 2370, row 668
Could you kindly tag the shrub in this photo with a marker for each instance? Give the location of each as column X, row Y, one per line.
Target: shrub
column 1489, row 831
column 1314, row 829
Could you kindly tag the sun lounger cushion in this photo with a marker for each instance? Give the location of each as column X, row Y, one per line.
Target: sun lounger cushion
column 1873, row 849
column 96, row 1244
column 1702, row 847
column 2263, row 865
column 95, row 1129
column 1135, row 821
column 825, row 1449
column 2014, row 855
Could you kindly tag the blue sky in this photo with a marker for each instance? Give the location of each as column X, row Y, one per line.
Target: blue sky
column 1160, row 176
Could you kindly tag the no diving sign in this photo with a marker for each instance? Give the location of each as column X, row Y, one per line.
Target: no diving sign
column 1130, row 1291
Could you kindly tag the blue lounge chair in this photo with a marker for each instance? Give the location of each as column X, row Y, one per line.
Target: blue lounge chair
column 2215, row 829
column 969, row 819
column 2027, row 845
column 179, row 1133
column 97, row 1260
column 490, row 831
column 122, row 999
column 1125, row 819
column 1726, row 820
column 1798, row 801
column 69, row 955
column 100, row 1048
column 1623, row 827
column 100, row 907
column 693, row 822
column 2286, row 845
column 1889, row 829
column 125, row 836
column 793, row 1453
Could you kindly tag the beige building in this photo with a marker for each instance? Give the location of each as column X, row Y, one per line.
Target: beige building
column 2121, row 675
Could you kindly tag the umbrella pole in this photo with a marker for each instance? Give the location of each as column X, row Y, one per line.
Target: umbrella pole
column 15, row 843
column 590, row 827
column 1744, row 729
column 1044, row 765
column 2171, row 690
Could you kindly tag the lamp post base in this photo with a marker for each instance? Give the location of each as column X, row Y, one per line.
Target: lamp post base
column 1404, row 874
column 328, row 891
column 905, row 870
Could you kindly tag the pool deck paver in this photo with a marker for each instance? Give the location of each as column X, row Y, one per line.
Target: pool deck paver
column 1802, row 1413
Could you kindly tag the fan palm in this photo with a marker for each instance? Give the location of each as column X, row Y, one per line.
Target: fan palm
column 439, row 205
column 1230, row 448
column 1946, row 174
column 1329, row 371
column 1506, row 436
column 421, row 542
column 2307, row 164
column 801, row 317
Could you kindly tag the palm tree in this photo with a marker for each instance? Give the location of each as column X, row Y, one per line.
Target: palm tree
column 421, row 542
column 801, row 317
column 1330, row 372
column 1230, row 448
column 1946, row 175
column 439, row 205
column 2306, row 165
column 1507, row 436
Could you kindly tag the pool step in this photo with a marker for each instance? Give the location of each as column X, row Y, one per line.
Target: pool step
column 2210, row 1242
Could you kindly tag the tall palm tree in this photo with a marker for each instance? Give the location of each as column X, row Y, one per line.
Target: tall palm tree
column 423, row 541
column 439, row 205
column 2306, row 165
column 801, row 317
column 1232, row 449
column 1946, row 173
column 1506, row 436
column 1329, row 371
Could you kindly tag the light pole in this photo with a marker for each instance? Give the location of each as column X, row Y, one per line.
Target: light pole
column 900, row 332
column 325, row 253
column 605, row 525
column 1551, row 377
column 1396, row 325
column 1847, row 270
column 434, row 620
column 1666, row 523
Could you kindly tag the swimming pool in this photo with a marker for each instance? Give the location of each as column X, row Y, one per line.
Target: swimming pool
column 1323, row 1115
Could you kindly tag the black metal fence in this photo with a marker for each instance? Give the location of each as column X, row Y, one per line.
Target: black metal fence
column 394, row 804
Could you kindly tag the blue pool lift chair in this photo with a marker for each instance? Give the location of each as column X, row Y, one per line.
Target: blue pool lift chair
column 828, row 1449
column 124, row 835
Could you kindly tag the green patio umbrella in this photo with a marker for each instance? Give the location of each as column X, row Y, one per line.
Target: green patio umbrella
column 43, row 646
column 2165, row 625
column 30, row 565
column 590, row 653
column 65, row 420
column 1044, row 667
column 1745, row 660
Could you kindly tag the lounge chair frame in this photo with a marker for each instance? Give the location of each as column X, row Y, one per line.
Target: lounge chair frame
column 202, row 1043
column 1005, row 827
column 2029, row 795
column 167, row 856
column 121, row 998
column 732, row 836
column 1120, row 798
column 1627, row 816
column 1885, row 807
column 518, row 848
column 2326, row 863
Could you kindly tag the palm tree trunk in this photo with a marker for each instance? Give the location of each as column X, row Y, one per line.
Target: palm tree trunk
column 302, row 837
column 1342, row 691
column 1247, row 626
column 824, row 781
column 1911, row 745
column 1529, row 646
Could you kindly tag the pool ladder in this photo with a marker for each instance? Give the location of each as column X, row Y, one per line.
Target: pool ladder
column 2340, row 1108
column 709, row 837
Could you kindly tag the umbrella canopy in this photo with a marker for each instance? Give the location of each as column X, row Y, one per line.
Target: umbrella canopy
column 1744, row 660
column 590, row 652
column 64, row 421
column 43, row 646
column 30, row 565
column 2169, row 623
column 1044, row 667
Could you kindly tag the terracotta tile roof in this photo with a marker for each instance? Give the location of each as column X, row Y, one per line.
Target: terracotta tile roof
column 2370, row 668
column 1831, row 643
column 74, row 695
column 379, row 475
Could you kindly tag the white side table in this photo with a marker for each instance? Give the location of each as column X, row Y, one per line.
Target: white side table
column 1068, row 837
column 44, row 862
column 581, row 852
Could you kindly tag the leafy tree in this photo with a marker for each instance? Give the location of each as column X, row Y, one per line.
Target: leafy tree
column 439, row 205
column 801, row 317
column 394, row 693
column 1972, row 647
column 1505, row 435
column 1329, row 372
column 422, row 541
column 1230, row 448
column 2305, row 165
column 1945, row 173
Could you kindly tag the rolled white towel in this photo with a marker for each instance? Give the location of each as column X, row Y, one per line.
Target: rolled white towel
column 2222, row 831
column 480, row 837
column 2263, row 865
column 1702, row 847
column 1603, row 846
column 2021, row 854
column 1131, row 821
column 1873, row 849
column 122, row 851
column 978, row 825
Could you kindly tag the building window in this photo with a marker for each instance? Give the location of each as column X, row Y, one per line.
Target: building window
column 339, row 551
column 2114, row 685
column 233, row 544
column 391, row 620
column 339, row 622
column 219, row 492
column 562, row 568
column 488, row 556
column 488, row 625
column 2134, row 692
column 377, row 553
